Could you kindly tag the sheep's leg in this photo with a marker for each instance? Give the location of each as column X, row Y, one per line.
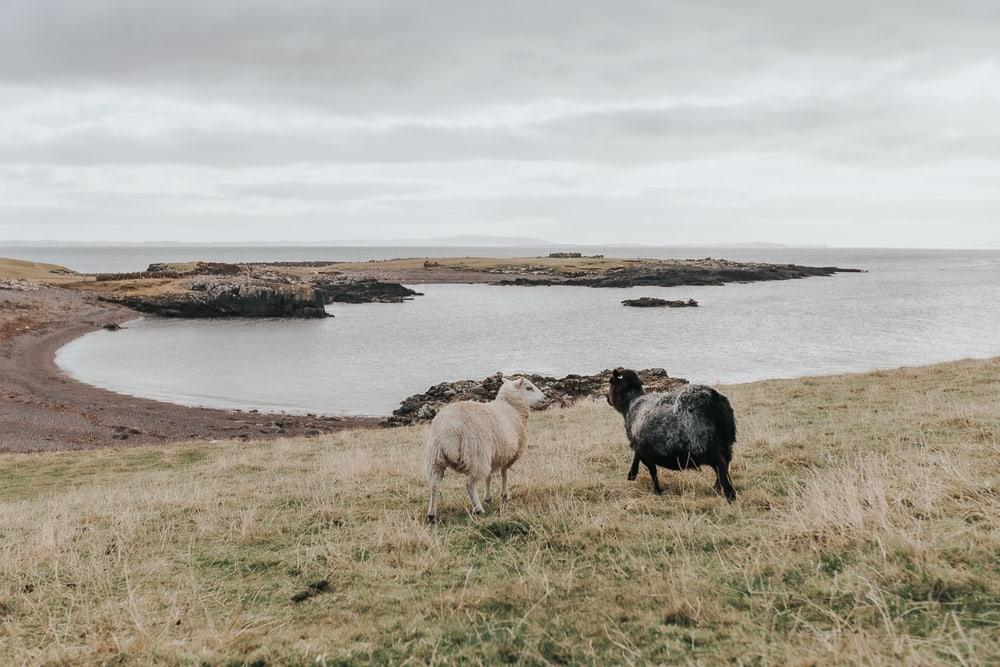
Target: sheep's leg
column 489, row 494
column 477, row 507
column 656, row 481
column 723, row 480
column 633, row 472
column 503, row 484
column 434, row 483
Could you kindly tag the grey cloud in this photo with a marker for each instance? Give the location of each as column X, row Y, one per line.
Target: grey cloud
column 327, row 192
column 365, row 56
column 872, row 131
column 399, row 117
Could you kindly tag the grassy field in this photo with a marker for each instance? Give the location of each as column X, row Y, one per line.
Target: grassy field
column 866, row 532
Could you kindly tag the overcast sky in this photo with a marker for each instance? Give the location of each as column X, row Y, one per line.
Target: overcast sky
column 844, row 123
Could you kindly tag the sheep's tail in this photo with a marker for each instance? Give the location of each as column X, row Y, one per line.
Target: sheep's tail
column 442, row 440
column 433, row 456
column 720, row 411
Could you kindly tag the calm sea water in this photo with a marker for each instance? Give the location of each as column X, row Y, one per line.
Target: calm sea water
column 912, row 307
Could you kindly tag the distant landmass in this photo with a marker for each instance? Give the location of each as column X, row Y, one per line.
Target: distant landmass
column 466, row 240
column 471, row 241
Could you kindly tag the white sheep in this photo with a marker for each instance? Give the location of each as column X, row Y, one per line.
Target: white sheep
column 478, row 439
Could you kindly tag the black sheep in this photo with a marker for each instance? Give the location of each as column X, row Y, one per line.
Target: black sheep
column 679, row 430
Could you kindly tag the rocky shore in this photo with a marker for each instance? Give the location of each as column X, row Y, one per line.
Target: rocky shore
column 560, row 392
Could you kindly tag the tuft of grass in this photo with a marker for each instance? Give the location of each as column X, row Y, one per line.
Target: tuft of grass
column 865, row 532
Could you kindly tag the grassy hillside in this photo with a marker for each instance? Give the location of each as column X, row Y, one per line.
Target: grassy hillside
column 51, row 274
column 866, row 531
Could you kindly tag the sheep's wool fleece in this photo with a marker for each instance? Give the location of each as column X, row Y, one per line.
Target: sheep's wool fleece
column 478, row 438
column 675, row 422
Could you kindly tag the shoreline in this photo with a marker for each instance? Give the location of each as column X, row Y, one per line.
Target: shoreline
column 42, row 408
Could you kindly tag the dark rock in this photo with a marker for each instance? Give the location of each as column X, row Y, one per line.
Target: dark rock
column 124, row 432
column 312, row 590
column 560, row 392
column 362, row 290
column 111, row 326
column 240, row 297
column 529, row 282
column 653, row 302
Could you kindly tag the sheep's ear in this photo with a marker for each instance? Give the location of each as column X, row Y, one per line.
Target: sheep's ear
column 519, row 383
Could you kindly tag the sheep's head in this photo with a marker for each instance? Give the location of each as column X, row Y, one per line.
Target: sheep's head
column 625, row 386
column 531, row 394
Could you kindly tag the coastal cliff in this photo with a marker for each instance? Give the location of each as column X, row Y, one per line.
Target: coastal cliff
column 244, row 297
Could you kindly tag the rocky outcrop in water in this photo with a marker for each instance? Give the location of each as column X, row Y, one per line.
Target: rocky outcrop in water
column 653, row 302
column 362, row 290
column 228, row 297
column 560, row 392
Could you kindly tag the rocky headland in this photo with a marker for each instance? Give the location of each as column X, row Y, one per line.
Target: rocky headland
column 668, row 273
column 210, row 289
column 559, row 391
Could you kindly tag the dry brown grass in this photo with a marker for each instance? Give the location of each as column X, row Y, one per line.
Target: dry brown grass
column 133, row 286
column 866, row 532
column 49, row 274
column 557, row 265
